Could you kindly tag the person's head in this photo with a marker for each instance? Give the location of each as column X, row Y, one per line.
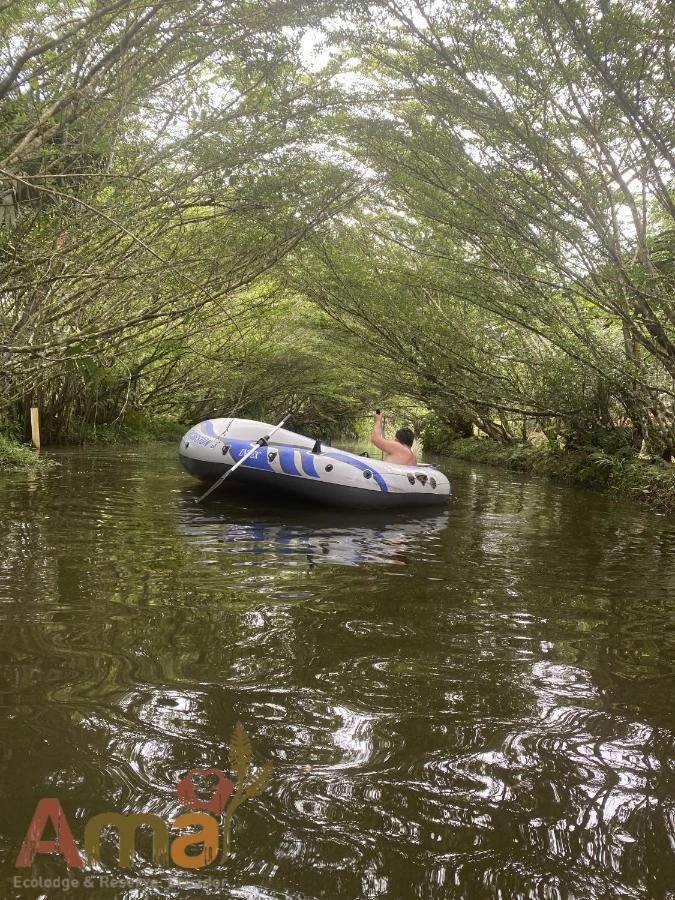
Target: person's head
column 405, row 436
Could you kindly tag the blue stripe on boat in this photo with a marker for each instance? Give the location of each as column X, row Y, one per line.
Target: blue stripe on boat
column 307, row 461
column 359, row 464
column 287, row 460
column 257, row 461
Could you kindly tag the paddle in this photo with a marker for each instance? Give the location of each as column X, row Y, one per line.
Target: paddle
column 381, row 432
column 261, row 442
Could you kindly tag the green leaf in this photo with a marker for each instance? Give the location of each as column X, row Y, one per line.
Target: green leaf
column 240, row 754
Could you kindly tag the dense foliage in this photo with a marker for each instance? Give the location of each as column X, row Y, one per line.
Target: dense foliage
column 157, row 166
column 459, row 208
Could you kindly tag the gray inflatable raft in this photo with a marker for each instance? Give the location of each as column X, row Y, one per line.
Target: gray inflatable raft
column 301, row 466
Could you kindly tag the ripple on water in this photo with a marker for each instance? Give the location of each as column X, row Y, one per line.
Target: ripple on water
column 474, row 704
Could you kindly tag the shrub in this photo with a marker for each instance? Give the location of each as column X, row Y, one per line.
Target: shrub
column 15, row 457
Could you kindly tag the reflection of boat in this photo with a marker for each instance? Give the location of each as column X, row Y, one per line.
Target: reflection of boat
column 345, row 539
column 302, row 466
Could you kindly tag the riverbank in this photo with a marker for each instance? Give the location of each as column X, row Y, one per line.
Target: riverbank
column 622, row 473
column 136, row 428
column 16, row 457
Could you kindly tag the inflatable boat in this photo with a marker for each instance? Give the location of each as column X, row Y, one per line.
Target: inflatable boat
column 306, row 468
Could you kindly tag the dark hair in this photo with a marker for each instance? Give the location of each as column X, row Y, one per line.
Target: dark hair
column 405, row 436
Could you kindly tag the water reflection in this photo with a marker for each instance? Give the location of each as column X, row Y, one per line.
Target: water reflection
column 335, row 538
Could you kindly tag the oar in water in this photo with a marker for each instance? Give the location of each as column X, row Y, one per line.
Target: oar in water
column 261, row 442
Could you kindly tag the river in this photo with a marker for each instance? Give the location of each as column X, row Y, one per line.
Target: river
column 477, row 702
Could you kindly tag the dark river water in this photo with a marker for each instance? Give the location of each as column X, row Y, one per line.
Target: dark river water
column 473, row 703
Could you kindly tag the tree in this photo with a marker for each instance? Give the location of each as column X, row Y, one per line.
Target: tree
column 529, row 146
column 154, row 160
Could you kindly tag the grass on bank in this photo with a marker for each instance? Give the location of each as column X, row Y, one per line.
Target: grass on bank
column 16, row 457
column 622, row 473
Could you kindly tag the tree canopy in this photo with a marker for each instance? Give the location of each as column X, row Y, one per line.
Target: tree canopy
column 464, row 208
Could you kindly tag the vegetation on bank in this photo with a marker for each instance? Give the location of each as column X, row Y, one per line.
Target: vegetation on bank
column 621, row 472
column 16, row 457
column 136, row 428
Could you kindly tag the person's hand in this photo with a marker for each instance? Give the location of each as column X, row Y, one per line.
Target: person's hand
column 377, row 417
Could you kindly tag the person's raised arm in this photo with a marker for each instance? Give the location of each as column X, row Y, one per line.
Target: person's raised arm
column 376, row 436
column 377, row 428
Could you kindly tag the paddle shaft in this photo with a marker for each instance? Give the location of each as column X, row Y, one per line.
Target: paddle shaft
column 261, row 442
column 381, row 432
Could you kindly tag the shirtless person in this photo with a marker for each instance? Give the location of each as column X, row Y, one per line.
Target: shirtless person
column 398, row 451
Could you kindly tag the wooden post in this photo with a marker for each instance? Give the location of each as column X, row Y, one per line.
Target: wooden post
column 35, row 426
